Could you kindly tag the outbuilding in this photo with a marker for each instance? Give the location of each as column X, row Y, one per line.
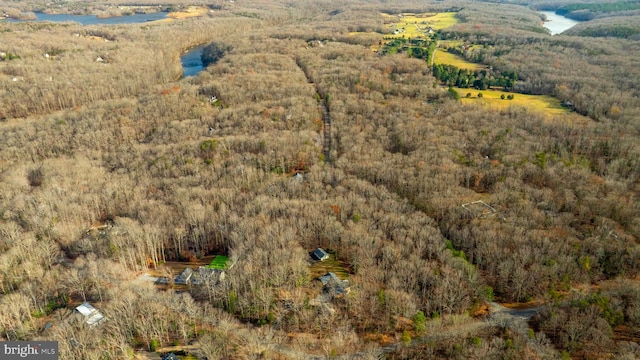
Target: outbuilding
column 92, row 315
column 319, row 254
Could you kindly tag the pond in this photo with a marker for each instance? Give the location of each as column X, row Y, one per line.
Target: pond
column 557, row 23
column 93, row 20
column 192, row 61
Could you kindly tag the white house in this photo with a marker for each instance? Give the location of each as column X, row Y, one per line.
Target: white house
column 91, row 314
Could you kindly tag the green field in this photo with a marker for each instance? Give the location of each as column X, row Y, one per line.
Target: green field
column 219, row 262
column 544, row 103
column 444, row 57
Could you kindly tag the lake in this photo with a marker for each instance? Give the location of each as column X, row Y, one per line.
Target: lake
column 556, row 23
column 93, row 20
column 192, row 61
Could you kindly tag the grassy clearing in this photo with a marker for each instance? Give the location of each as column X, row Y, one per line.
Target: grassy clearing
column 443, row 20
column 457, row 43
column 444, row 57
column 219, row 262
column 416, row 25
column 191, row 11
column 330, row 265
column 450, row 43
column 543, row 103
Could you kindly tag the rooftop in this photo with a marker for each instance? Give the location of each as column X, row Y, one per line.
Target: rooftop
column 92, row 315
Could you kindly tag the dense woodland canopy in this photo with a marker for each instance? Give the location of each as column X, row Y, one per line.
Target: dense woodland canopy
column 111, row 164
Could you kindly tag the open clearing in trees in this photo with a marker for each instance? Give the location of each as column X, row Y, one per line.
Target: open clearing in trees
column 442, row 56
column 499, row 99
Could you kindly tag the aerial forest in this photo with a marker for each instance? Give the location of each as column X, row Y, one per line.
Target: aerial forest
column 460, row 218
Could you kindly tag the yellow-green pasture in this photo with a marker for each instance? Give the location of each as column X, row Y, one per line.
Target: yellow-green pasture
column 544, row 103
column 450, row 43
column 443, row 20
column 417, row 25
column 444, row 57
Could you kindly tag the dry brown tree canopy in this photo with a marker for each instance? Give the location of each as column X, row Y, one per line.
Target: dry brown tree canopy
column 299, row 136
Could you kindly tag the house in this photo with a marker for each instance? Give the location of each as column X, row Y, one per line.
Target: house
column 184, row 277
column 319, row 254
column 205, row 275
column 163, row 280
column 297, row 177
column 91, row 314
column 333, row 285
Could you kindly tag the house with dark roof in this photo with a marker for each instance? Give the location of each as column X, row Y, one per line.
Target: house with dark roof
column 163, row 280
column 319, row 254
column 205, row 275
column 184, row 277
column 169, row 356
column 333, row 285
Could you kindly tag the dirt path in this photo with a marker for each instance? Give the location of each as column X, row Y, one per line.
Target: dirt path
column 500, row 312
column 514, row 319
column 433, row 56
column 517, row 320
column 326, row 118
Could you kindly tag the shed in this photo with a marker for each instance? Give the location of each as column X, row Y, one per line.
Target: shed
column 184, row 277
column 319, row 254
column 91, row 314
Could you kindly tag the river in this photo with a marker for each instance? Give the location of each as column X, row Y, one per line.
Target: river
column 192, row 61
column 556, row 23
column 93, row 20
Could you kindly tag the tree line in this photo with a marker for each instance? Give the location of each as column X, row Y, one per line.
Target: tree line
column 479, row 79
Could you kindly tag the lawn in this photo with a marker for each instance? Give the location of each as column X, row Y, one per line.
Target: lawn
column 543, row 103
column 219, row 262
column 444, row 57
column 330, row 265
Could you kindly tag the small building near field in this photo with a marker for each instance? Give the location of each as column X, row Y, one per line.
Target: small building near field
column 92, row 315
column 319, row 254
column 184, row 277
